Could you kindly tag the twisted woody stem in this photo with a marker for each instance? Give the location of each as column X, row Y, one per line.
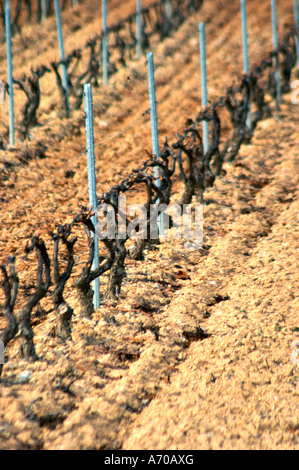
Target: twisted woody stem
column 10, row 286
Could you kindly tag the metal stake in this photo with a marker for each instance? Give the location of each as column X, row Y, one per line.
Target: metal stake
column 275, row 47
column 104, row 42
column 168, row 7
column 296, row 15
column 44, row 9
column 92, row 183
column 204, row 93
column 244, row 37
column 62, row 56
column 154, row 126
column 138, row 30
column 153, row 103
column 9, row 74
column 245, row 50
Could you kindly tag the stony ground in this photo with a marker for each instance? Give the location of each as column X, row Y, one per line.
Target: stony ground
column 199, row 352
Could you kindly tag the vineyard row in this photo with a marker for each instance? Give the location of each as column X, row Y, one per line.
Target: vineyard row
column 84, row 65
column 198, row 171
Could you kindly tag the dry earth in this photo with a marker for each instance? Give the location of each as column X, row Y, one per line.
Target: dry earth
column 199, row 352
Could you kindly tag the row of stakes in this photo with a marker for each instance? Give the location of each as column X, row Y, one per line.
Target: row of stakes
column 105, row 54
column 151, row 90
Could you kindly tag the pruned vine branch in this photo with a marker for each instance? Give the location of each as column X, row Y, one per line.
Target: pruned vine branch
column 63, row 310
column 10, row 286
column 43, row 282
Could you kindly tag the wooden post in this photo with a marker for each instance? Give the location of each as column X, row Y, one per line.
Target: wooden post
column 92, row 183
